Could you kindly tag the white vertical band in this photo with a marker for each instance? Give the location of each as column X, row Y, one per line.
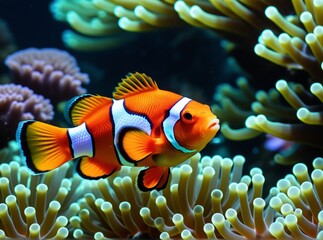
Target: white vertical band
column 81, row 141
column 170, row 121
column 121, row 119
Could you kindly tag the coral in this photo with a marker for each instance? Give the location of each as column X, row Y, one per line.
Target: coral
column 299, row 203
column 19, row 103
column 37, row 206
column 193, row 204
column 50, row 72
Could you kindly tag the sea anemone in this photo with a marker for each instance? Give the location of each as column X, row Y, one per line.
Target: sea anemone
column 289, row 112
column 37, row 206
column 103, row 21
column 299, row 45
column 193, row 204
column 299, row 203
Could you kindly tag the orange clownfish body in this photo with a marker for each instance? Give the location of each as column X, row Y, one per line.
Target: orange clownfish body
column 140, row 126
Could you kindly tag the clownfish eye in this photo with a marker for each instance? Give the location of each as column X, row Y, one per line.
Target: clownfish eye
column 187, row 116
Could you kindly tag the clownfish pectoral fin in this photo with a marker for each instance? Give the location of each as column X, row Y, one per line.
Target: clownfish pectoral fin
column 91, row 168
column 43, row 146
column 153, row 178
column 137, row 145
column 133, row 84
column 81, row 107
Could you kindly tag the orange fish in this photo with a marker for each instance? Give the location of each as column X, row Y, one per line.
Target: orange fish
column 140, row 126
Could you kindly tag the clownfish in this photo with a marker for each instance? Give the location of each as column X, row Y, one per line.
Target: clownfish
column 140, row 126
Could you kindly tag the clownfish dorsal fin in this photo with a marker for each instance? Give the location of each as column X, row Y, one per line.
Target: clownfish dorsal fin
column 79, row 108
column 133, row 84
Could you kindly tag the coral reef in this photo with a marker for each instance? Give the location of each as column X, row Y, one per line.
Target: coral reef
column 48, row 72
column 37, row 207
column 19, row 103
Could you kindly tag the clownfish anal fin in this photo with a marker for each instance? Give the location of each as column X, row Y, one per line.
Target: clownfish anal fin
column 136, row 145
column 133, row 84
column 153, row 178
column 79, row 108
column 91, row 168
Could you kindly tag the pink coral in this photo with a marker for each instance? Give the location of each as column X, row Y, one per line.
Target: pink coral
column 50, row 72
column 19, row 103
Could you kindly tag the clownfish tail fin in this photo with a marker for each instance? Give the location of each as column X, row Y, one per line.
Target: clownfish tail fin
column 43, row 147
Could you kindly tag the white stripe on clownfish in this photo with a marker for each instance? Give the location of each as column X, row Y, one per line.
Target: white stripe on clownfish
column 123, row 119
column 171, row 120
column 81, row 141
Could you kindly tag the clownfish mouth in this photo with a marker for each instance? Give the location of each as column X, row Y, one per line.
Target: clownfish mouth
column 214, row 124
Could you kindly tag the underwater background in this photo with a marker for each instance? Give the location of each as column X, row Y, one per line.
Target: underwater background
column 257, row 64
